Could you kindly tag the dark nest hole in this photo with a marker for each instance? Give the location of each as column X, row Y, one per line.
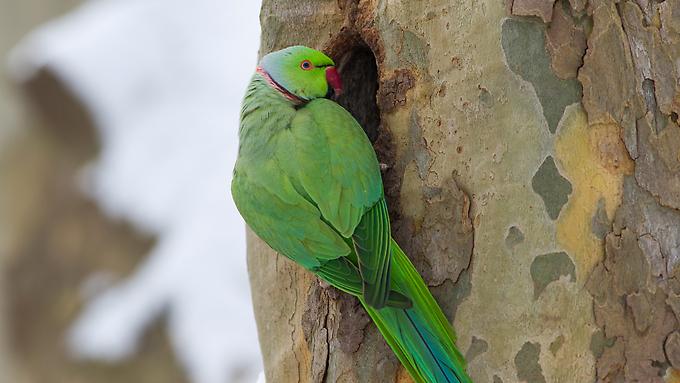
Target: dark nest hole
column 359, row 74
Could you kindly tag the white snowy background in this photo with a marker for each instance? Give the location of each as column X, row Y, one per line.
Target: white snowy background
column 163, row 80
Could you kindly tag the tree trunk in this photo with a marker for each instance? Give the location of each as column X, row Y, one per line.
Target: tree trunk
column 533, row 177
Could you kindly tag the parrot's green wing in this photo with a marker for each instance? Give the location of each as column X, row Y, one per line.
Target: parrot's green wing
column 372, row 244
column 333, row 162
column 277, row 213
column 335, row 168
column 344, row 275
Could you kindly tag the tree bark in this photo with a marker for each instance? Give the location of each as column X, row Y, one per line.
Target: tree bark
column 533, row 177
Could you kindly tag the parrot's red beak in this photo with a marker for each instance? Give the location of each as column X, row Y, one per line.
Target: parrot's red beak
column 334, row 80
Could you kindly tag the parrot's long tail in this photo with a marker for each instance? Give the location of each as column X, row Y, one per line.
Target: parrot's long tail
column 420, row 336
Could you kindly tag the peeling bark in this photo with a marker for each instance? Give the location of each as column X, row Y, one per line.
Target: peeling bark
column 635, row 283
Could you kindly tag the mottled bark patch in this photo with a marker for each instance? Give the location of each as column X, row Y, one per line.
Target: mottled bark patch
column 641, row 213
column 658, row 120
column 598, row 343
column 611, row 150
column 486, row 99
column 556, row 345
column 514, row 237
column 451, row 295
column 540, row 8
column 433, row 226
column 551, row 186
column 526, row 361
column 578, row 5
column 477, row 347
column 654, row 50
column 524, row 47
column 672, row 349
column 392, row 92
column 418, row 149
column 352, row 322
column 440, row 240
column 548, row 268
column 566, row 41
column 642, row 39
column 315, row 331
column 594, row 160
column 657, row 168
column 600, row 224
column 606, row 97
column 414, row 51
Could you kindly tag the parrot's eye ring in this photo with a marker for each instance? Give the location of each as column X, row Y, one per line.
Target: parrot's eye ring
column 306, row 65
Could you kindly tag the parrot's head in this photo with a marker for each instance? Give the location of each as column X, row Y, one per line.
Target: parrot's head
column 302, row 72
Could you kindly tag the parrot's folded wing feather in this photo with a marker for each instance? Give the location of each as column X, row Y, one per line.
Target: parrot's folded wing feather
column 372, row 244
column 285, row 220
column 336, row 168
column 344, row 275
column 334, row 162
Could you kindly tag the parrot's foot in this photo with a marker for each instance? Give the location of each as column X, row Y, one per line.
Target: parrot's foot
column 324, row 284
column 384, row 167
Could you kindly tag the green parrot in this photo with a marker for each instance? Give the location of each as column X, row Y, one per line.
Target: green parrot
column 308, row 183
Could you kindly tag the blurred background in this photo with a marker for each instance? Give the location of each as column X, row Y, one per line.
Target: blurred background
column 122, row 257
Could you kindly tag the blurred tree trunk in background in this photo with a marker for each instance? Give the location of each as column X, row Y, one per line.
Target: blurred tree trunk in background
column 51, row 237
column 534, row 179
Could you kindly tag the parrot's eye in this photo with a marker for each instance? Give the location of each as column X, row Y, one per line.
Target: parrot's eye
column 306, row 65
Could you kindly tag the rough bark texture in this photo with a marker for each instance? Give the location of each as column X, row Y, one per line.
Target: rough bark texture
column 534, row 179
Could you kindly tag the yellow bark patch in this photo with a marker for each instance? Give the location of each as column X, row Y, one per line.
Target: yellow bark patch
column 672, row 376
column 595, row 160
